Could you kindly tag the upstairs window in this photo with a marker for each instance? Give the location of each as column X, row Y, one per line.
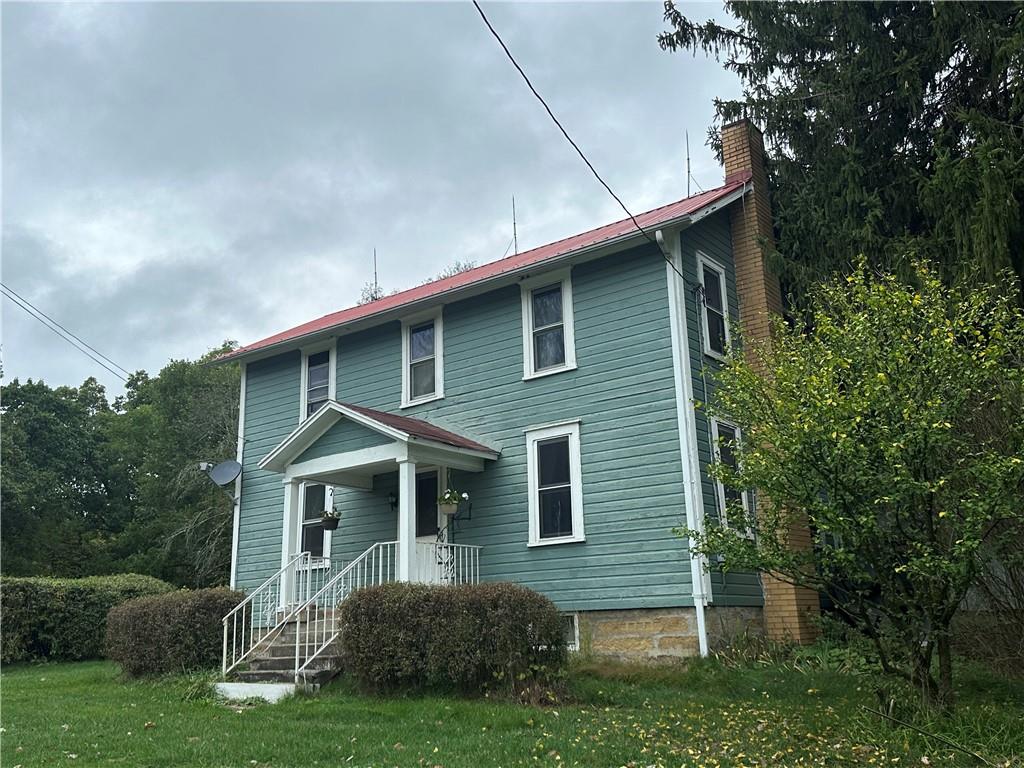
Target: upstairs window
column 318, row 377
column 422, row 360
column 727, row 438
column 555, row 485
column 548, row 336
column 715, row 314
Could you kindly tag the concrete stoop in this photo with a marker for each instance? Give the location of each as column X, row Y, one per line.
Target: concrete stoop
column 272, row 666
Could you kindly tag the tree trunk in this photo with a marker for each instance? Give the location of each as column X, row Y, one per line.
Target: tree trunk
column 946, row 695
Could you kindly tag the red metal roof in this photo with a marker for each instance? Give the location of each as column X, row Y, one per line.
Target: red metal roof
column 418, row 428
column 649, row 219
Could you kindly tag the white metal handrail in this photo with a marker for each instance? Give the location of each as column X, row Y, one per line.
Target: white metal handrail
column 316, row 622
column 264, row 610
column 439, row 562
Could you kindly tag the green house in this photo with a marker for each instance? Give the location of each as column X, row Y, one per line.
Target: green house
column 552, row 392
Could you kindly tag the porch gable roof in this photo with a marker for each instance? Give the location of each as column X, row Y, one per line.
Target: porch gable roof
column 401, row 429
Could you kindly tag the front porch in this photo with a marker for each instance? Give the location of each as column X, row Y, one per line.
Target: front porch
column 349, row 447
column 345, row 446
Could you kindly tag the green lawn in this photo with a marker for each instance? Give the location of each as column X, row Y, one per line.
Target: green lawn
column 84, row 714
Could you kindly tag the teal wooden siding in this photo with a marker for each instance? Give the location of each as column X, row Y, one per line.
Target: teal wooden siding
column 341, row 437
column 712, row 237
column 271, row 413
column 622, row 391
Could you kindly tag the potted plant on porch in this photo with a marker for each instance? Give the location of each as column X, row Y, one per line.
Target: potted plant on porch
column 448, row 502
column 330, row 519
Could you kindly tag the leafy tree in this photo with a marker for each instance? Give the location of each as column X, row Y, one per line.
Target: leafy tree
column 891, row 128
column 895, row 427
column 92, row 489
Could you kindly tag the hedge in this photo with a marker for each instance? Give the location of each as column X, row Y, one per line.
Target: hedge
column 471, row 638
column 63, row 619
column 176, row 632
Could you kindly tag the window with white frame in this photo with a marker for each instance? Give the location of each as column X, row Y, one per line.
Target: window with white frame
column 422, row 360
column 313, row 538
column 554, row 478
column 726, row 439
column 549, row 344
column 571, row 627
column 715, row 311
column 317, row 379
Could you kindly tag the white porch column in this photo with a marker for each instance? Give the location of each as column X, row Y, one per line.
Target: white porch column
column 289, row 543
column 406, row 520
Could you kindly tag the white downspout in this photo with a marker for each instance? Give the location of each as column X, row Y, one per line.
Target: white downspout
column 239, row 457
column 687, row 425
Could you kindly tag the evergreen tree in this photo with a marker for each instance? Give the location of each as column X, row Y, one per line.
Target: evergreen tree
column 892, row 129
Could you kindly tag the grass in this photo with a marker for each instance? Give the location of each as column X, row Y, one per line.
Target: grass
column 707, row 715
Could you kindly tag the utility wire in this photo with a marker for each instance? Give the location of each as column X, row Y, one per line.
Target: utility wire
column 30, row 310
column 69, row 333
column 569, row 138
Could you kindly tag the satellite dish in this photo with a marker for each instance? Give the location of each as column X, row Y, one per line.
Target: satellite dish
column 225, row 472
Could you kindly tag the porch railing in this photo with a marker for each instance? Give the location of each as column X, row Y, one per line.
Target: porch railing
column 262, row 612
column 440, row 562
column 316, row 622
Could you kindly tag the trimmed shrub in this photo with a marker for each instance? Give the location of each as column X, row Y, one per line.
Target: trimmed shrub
column 470, row 638
column 177, row 632
column 64, row 619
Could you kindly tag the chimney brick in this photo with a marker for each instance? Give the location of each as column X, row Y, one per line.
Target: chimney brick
column 790, row 612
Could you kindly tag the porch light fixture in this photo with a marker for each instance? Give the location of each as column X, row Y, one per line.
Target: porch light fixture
column 392, row 501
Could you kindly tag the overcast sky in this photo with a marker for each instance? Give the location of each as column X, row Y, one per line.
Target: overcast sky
column 179, row 174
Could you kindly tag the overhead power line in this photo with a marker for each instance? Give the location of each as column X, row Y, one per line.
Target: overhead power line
column 63, row 333
column 569, row 138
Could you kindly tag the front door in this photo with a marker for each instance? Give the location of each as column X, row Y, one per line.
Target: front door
column 427, row 492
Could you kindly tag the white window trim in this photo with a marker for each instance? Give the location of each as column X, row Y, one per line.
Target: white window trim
column 703, row 260
column 325, row 560
column 527, row 287
column 332, row 374
column 574, row 645
column 407, row 325
column 534, row 436
column 748, row 530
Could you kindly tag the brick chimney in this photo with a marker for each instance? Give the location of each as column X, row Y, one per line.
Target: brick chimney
column 790, row 613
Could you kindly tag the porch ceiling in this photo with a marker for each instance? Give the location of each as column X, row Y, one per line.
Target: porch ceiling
column 308, row 455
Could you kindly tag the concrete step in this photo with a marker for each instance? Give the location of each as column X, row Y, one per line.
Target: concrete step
column 281, row 650
column 310, row 677
column 288, row 663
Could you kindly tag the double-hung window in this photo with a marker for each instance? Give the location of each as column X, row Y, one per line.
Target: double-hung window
column 314, row 539
column 726, row 439
column 554, row 479
column 715, row 315
column 317, row 381
column 422, row 360
column 549, row 344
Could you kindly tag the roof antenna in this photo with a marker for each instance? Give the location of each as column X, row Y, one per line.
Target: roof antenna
column 376, row 285
column 687, row 163
column 515, row 236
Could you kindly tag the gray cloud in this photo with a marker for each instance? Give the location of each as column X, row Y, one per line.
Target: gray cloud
column 177, row 174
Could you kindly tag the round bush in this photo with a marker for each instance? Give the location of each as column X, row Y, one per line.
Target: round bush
column 468, row 638
column 64, row 619
column 177, row 632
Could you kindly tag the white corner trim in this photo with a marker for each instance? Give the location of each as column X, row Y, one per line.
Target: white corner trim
column 570, row 429
column 331, row 345
column 687, row 428
column 527, row 287
column 437, row 316
column 703, row 260
column 239, row 457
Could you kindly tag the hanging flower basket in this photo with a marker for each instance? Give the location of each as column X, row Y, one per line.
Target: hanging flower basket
column 448, row 502
column 330, row 520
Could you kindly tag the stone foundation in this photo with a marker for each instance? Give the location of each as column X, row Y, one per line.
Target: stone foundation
column 661, row 634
